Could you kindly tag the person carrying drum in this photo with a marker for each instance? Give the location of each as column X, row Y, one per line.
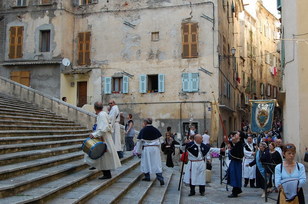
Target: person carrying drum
column 110, row 159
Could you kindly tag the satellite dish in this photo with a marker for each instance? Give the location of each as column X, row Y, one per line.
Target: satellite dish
column 66, row 62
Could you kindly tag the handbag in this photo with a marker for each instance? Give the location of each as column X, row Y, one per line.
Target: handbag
column 184, row 157
column 282, row 198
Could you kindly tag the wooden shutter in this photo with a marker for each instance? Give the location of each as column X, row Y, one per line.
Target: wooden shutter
column 143, row 83
column 125, row 84
column 22, row 77
column 46, row 2
column 161, row 83
column 185, row 82
column 84, row 48
column 16, row 41
column 190, row 40
column 194, row 80
column 107, row 87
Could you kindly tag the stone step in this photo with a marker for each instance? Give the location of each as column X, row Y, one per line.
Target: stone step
column 16, row 102
column 33, row 123
column 13, row 108
column 39, row 127
column 61, row 184
column 13, row 186
column 28, row 118
column 156, row 193
column 32, row 139
column 4, row 149
column 7, row 113
column 173, row 195
column 27, row 110
column 96, row 191
column 8, row 171
column 137, row 192
column 12, row 133
column 12, row 158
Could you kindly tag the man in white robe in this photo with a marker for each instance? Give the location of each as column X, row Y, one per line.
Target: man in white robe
column 114, row 116
column 110, row 159
column 195, row 168
column 148, row 139
column 249, row 172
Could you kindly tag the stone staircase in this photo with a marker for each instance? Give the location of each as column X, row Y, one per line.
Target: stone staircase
column 42, row 162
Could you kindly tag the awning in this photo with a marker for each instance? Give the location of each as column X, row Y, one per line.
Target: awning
column 226, row 108
column 30, row 62
column 77, row 71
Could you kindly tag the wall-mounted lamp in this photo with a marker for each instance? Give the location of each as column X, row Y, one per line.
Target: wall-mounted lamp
column 233, row 51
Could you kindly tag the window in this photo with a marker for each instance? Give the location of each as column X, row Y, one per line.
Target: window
column 152, row 83
column 16, row 41
column 275, row 91
column 261, row 89
column 22, row 77
column 46, row 2
column 116, row 85
column 45, row 41
column 190, row 82
column 21, row 2
column 267, row 57
column 84, row 48
column 155, row 36
column 189, row 40
column 269, row 88
column 86, row 2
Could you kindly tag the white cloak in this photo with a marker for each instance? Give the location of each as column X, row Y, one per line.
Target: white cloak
column 110, row 159
column 249, row 172
column 150, row 157
column 114, row 116
column 195, row 170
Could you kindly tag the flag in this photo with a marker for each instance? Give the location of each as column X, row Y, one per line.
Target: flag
column 214, row 122
column 274, row 71
column 262, row 112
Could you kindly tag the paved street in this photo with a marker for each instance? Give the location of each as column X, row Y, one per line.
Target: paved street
column 216, row 193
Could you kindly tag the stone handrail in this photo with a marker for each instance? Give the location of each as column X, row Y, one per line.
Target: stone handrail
column 59, row 107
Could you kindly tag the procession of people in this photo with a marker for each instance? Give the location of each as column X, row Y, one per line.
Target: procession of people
column 258, row 160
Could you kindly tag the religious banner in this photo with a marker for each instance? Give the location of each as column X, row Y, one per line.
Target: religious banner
column 262, row 113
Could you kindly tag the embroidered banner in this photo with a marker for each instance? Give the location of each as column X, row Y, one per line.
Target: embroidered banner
column 262, row 113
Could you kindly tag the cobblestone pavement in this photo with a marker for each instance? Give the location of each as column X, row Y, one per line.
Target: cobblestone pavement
column 215, row 193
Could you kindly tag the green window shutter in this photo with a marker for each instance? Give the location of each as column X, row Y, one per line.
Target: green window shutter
column 161, row 83
column 143, row 83
column 194, row 82
column 107, row 88
column 125, row 84
column 185, row 82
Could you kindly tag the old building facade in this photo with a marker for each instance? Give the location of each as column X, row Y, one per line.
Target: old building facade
column 294, row 51
column 170, row 60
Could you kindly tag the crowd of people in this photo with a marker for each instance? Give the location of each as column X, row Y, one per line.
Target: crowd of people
column 261, row 161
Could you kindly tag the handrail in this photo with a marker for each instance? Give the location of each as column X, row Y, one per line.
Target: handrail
column 46, row 101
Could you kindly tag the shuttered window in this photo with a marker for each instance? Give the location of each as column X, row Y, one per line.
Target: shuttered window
column 84, row 43
column 21, row 2
column 85, row 2
column 116, row 85
column 46, row 2
column 190, row 82
column 16, row 41
column 161, row 83
column 143, row 83
column 189, row 40
column 125, row 84
column 22, row 77
column 107, row 85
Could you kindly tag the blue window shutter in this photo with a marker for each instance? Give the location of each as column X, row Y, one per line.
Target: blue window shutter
column 107, row 88
column 161, row 83
column 228, row 91
column 185, row 82
column 125, row 84
column 143, row 83
column 194, row 82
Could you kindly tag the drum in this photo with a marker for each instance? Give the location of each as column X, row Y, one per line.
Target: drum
column 94, row 148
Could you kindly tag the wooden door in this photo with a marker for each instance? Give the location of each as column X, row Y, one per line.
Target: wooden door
column 81, row 93
column 22, row 77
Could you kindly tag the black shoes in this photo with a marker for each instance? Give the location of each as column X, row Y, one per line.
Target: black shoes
column 245, row 185
column 162, row 182
column 92, row 168
column 105, row 177
column 191, row 194
column 232, row 195
column 202, row 194
column 146, row 179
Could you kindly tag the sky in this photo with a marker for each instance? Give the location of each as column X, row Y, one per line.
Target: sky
column 271, row 5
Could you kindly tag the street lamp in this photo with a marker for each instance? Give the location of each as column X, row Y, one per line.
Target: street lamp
column 233, row 50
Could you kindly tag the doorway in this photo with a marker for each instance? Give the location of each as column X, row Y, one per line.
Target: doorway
column 81, row 93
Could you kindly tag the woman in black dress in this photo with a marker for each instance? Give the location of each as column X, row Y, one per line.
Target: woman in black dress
column 275, row 159
column 168, row 148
